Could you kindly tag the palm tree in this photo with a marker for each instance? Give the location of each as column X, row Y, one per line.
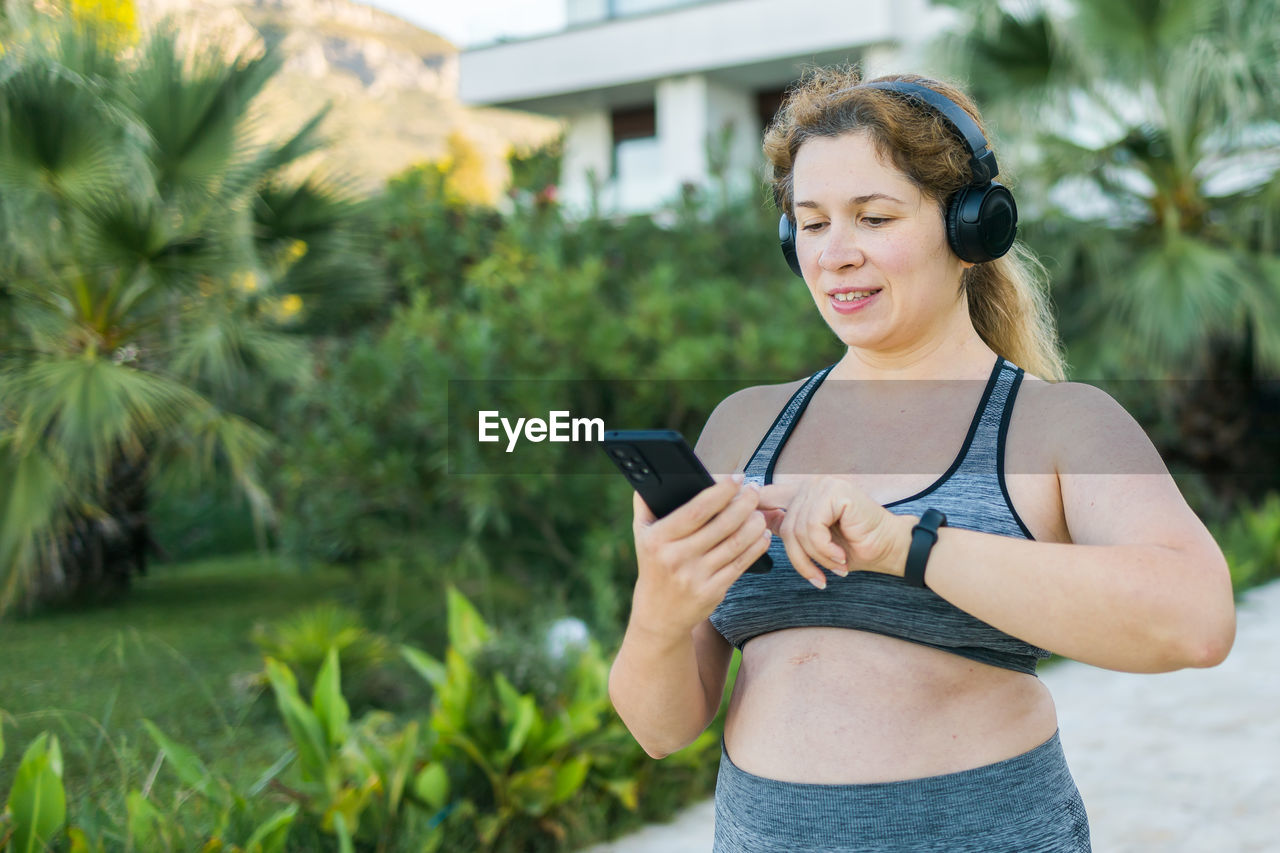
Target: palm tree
column 146, row 275
column 1146, row 136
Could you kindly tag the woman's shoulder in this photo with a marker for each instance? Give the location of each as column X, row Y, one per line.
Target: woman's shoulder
column 1086, row 428
column 739, row 421
column 1065, row 398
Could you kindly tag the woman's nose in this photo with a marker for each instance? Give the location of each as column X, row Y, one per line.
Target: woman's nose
column 840, row 250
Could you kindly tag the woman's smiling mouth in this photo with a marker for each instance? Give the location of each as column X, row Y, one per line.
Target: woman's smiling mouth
column 847, row 300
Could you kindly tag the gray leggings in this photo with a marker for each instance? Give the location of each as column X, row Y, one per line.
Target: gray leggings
column 1025, row 804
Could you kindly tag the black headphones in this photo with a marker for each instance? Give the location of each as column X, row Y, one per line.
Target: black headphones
column 981, row 219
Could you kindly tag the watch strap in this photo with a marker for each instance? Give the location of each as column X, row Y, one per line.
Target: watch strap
column 923, row 537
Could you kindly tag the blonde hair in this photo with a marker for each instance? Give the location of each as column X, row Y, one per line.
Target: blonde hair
column 1008, row 297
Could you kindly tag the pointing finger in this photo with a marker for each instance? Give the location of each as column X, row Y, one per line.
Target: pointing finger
column 777, row 495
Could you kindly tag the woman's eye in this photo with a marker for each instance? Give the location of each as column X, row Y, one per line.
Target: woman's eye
column 875, row 221
column 814, row 226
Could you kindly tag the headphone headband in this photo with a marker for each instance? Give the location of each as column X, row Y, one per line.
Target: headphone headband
column 982, row 160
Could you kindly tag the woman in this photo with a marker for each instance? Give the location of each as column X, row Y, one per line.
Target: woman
column 873, row 711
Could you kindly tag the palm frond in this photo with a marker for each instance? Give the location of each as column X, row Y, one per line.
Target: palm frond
column 305, row 141
column 1178, row 294
column 1132, row 36
column 58, row 136
column 35, row 491
column 209, row 439
column 91, row 408
column 194, row 106
column 1261, row 299
column 223, row 350
column 125, row 230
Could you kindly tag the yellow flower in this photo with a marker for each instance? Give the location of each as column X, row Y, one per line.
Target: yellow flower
column 116, row 20
column 245, row 281
column 290, row 306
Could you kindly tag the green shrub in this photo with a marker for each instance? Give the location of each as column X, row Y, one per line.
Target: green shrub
column 303, row 642
column 204, row 813
column 374, row 468
column 1250, row 539
column 538, row 761
column 530, row 775
column 354, row 781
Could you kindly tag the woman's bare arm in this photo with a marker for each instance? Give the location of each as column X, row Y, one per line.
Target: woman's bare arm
column 1142, row 587
column 661, row 684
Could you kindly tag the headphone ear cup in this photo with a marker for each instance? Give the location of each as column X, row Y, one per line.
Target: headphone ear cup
column 787, row 241
column 982, row 222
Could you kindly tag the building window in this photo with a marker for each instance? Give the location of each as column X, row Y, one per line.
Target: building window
column 767, row 105
column 634, row 123
column 635, row 138
column 637, row 158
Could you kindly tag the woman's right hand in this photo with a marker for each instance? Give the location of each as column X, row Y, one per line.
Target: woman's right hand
column 689, row 558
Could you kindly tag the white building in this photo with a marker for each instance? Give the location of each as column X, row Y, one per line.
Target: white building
column 646, row 87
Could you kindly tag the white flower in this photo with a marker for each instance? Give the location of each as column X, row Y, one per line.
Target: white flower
column 564, row 634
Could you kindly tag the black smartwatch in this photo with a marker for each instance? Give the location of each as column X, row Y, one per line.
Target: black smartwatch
column 923, row 537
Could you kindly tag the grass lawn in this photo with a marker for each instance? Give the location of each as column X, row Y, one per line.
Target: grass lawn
column 177, row 652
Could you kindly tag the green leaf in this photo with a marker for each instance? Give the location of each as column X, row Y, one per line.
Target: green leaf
column 303, row 725
column 146, row 824
column 429, row 668
column 348, row 804
column 569, row 778
column 489, row 825
column 90, row 406
column 344, row 834
column 471, row 750
column 552, row 733
column 519, row 712
column 35, row 488
column 80, row 841
column 331, row 709
column 190, row 769
column 271, row 772
column 402, row 765
column 433, row 840
column 432, row 785
column 533, row 790
column 468, row 632
column 271, row 836
column 508, row 697
column 55, row 757
column 454, row 699
column 37, row 800
column 58, row 136
column 626, row 790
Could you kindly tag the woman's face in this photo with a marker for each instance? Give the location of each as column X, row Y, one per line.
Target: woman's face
column 862, row 226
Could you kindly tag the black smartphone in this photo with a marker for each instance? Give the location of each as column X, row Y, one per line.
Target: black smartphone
column 663, row 468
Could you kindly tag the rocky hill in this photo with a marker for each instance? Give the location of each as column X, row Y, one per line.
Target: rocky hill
column 392, row 85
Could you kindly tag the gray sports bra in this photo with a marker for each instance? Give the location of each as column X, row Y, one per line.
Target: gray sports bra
column 973, row 495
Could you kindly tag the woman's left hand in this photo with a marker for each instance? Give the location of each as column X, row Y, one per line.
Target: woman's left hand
column 830, row 521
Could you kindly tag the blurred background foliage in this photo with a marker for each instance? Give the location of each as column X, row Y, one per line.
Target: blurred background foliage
column 1145, row 141
column 208, row 352
column 158, row 273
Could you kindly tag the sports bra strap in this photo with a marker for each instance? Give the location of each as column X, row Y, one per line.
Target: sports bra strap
column 758, row 464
